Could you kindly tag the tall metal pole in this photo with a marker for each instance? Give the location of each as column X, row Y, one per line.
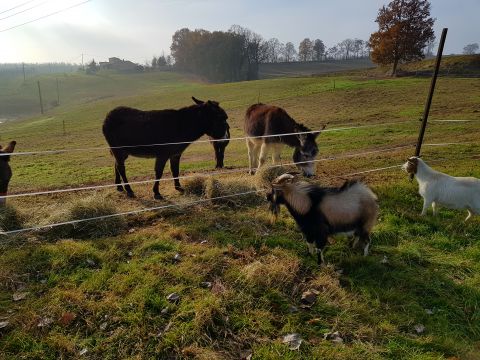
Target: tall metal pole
column 430, row 93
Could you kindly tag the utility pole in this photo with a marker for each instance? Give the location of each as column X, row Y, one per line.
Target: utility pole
column 82, row 62
column 23, row 66
column 40, row 96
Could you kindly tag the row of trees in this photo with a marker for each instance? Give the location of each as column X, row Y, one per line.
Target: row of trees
column 236, row 54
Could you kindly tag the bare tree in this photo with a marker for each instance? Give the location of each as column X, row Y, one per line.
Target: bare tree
column 290, row 52
column 305, row 50
column 470, row 49
column 318, row 49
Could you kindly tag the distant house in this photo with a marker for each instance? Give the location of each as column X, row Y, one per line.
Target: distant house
column 117, row 64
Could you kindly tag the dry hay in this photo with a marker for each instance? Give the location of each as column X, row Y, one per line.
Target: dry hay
column 10, row 219
column 216, row 190
column 266, row 174
column 194, row 185
column 85, row 208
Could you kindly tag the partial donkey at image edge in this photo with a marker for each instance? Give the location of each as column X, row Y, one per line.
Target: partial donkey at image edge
column 5, row 170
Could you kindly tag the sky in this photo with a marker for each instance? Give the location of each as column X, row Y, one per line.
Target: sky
column 138, row 30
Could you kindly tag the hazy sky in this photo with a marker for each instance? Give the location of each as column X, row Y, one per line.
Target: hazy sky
column 139, row 29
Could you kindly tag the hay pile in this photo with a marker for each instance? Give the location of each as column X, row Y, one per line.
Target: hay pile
column 266, row 174
column 84, row 208
column 10, row 219
column 215, row 190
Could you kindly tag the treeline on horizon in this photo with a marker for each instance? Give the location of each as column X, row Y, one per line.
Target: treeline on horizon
column 235, row 55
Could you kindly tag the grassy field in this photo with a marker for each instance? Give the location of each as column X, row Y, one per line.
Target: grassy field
column 312, row 68
column 104, row 297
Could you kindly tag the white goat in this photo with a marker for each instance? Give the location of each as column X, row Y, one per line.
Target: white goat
column 438, row 189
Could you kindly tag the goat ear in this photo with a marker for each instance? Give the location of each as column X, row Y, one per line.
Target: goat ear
column 196, row 101
column 10, row 147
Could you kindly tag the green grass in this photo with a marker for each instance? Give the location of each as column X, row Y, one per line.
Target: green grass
column 108, row 294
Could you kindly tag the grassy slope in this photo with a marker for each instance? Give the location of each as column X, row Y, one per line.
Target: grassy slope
column 312, row 67
column 113, row 307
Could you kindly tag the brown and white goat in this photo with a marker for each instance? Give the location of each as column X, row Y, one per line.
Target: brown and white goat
column 438, row 189
column 5, row 170
column 322, row 211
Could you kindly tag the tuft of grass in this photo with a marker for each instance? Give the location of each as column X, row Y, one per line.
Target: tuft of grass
column 87, row 208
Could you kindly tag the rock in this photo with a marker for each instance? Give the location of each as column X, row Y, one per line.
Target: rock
column 177, row 258
column 206, row 285
column 19, row 296
column 83, row 351
column 334, row 337
column 293, row 341
column 308, row 298
column 419, row 329
column 173, row 298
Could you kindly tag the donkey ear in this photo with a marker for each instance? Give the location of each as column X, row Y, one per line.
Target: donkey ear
column 196, row 101
column 10, row 147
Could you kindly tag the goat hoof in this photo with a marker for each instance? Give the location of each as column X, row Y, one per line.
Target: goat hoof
column 180, row 189
column 158, row 197
column 130, row 194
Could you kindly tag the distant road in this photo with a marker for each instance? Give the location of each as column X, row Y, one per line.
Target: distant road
column 312, row 68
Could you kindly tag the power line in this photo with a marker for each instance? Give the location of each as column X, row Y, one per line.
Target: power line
column 24, row 10
column 134, row 212
column 60, row 151
column 15, row 7
column 45, row 16
column 233, row 171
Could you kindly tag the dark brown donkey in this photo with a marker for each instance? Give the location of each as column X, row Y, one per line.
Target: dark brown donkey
column 5, row 170
column 134, row 132
column 219, row 147
column 265, row 120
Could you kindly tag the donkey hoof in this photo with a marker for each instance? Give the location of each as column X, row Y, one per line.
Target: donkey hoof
column 180, row 189
column 158, row 197
column 251, row 172
column 130, row 194
column 120, row 188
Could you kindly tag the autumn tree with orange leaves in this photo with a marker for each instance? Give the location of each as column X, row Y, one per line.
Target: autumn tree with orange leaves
column 405, row 28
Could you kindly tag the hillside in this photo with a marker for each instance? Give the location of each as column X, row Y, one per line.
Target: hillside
column 100, row 291
column 310, row 68
column 451, row 65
